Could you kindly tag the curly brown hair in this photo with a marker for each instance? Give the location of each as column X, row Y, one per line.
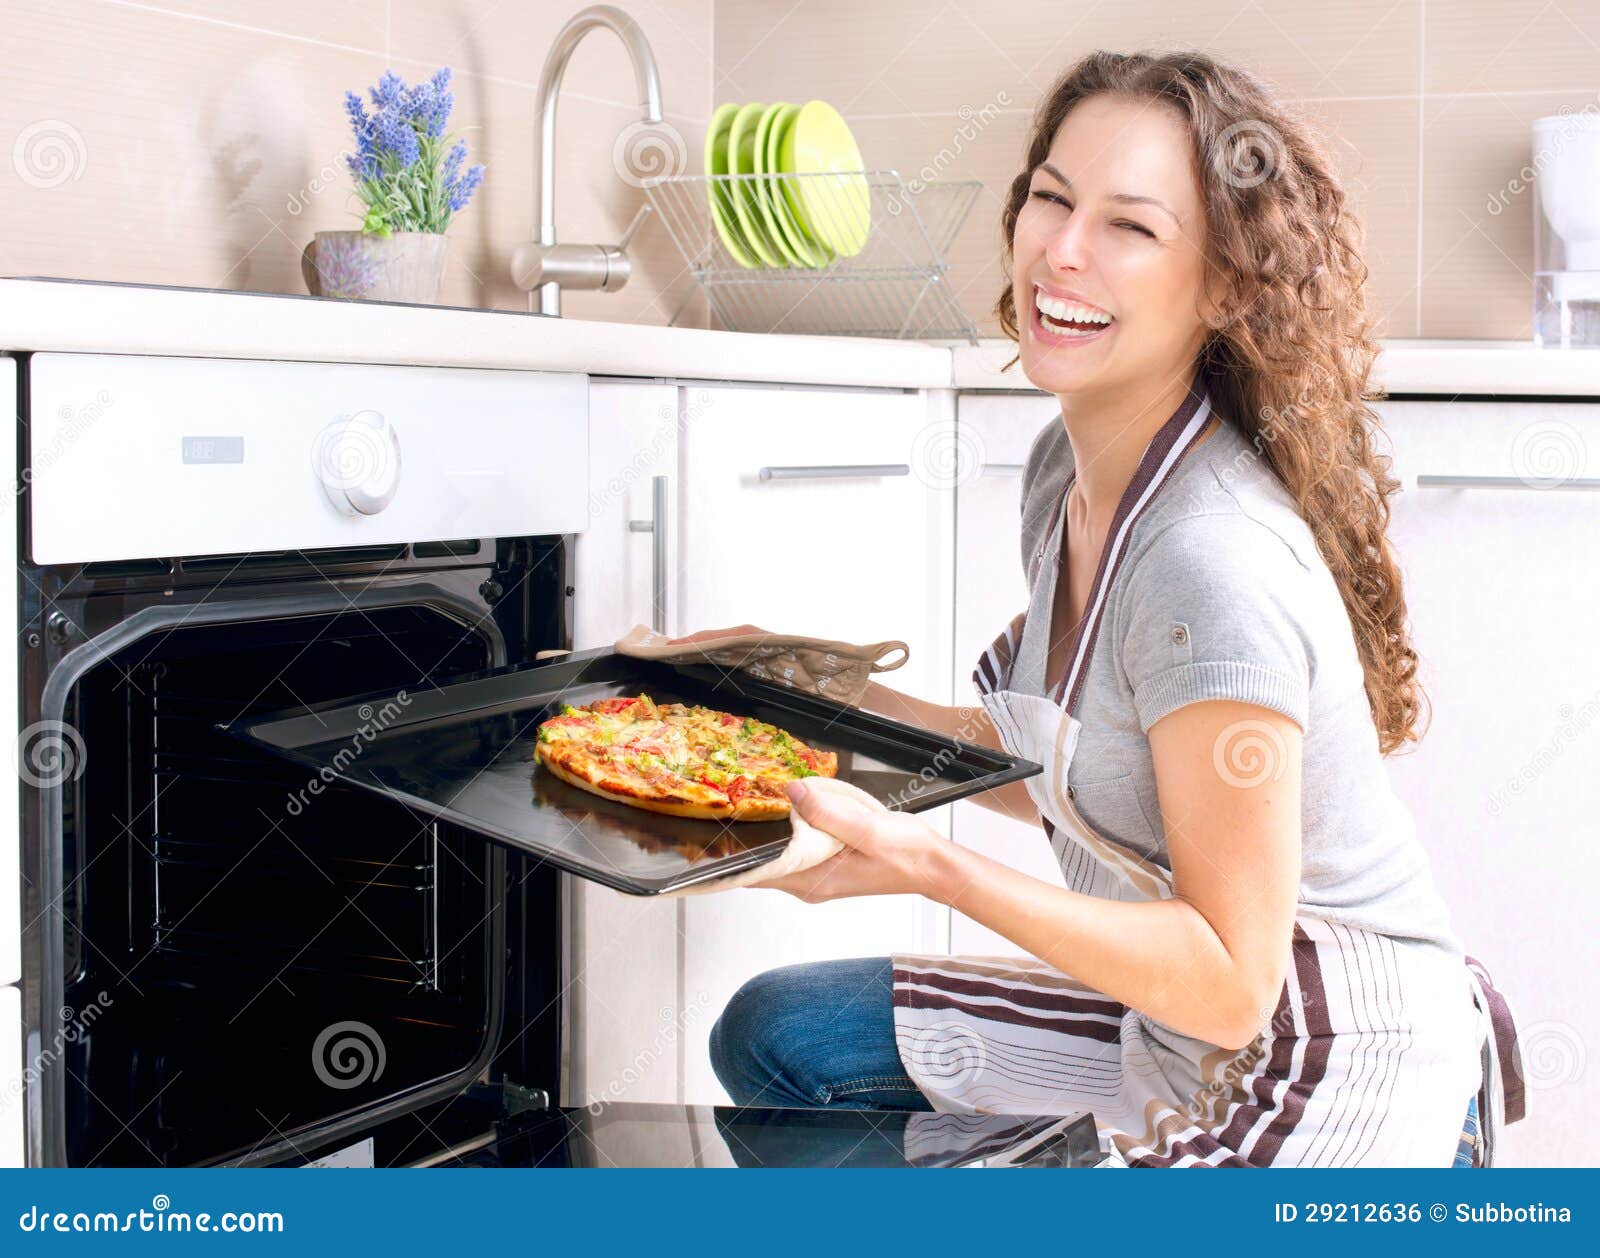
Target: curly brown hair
column 1290, row 364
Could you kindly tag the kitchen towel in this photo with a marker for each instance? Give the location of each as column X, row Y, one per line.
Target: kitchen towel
column 837, row 671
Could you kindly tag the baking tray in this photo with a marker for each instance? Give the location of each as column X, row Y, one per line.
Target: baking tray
column 461, row 751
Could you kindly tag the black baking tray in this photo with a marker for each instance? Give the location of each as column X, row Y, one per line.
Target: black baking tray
column 461, row 751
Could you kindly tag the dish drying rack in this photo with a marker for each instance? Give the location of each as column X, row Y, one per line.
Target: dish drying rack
column 896, row 285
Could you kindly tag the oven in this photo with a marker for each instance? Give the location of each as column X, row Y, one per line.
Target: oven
column 225, row 958
column 230, row 957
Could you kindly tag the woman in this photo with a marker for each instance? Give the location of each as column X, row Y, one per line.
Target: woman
column 1250, row 964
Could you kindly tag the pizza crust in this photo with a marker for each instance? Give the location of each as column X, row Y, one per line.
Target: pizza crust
column 746, row 809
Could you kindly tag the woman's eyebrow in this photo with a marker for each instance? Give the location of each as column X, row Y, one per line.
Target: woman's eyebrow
column 1128, row 198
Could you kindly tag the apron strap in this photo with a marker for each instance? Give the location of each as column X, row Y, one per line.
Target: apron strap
column 1166, row 449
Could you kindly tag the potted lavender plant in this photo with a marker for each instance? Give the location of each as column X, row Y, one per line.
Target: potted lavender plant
column 409, row 176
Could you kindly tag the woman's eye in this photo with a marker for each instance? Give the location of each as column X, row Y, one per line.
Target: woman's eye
column 1056, row 199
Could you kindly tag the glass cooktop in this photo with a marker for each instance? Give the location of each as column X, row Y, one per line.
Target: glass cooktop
column 642, row 1135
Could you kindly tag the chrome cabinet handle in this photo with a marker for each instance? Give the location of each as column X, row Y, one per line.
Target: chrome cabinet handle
column 830, row 471
column 656, row 525
column 1001, row 469
column 1431, row 481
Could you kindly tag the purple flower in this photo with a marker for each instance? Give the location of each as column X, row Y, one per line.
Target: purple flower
column 394, row 136
column 430, row 103
column 408, row 173
column 391, row 90
column 363, row 162
column 453, row 160
column 461, row 191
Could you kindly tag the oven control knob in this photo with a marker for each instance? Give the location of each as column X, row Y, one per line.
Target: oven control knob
column 358, row 462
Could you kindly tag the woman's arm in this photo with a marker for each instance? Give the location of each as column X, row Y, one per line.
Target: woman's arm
column 1210, row 961
column 969, row 724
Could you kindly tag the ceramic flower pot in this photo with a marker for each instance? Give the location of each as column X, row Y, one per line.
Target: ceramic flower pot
column 407, row 266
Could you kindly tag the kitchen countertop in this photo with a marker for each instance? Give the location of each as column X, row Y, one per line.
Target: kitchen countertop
column 1403, row 367
column 133, row 319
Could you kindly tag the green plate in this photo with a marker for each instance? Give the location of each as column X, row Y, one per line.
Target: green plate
column 717, row 194
column 799, row 246
column 763, row 187
column 836, row 212
column 742, row 161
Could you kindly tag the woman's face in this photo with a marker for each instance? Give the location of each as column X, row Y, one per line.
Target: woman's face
column 1110, row 243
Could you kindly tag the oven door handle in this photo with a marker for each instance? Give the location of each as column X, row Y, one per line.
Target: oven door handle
column 656, row 526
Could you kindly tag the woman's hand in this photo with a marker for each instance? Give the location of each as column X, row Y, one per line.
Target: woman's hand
column 885, row 853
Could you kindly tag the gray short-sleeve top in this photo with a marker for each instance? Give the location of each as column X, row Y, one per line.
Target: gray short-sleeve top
column 1222, row 594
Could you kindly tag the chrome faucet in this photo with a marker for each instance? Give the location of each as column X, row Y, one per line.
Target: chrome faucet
column 543, row 264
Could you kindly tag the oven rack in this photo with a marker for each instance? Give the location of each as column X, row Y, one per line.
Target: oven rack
column 896, row 285
column 390, row 889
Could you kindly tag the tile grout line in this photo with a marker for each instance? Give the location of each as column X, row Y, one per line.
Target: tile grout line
column 386, row 54
column 1422, row 131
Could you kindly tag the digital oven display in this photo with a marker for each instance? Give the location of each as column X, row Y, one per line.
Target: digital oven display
column 213, row 449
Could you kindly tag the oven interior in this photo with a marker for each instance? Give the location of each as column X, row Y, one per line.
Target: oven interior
column 274, row 959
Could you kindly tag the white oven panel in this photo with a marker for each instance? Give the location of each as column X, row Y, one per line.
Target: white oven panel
column 143, row 457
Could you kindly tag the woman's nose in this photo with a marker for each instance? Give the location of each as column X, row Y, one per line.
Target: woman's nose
column 1066, row 248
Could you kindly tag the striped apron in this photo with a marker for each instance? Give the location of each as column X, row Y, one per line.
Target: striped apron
column 1370, row 1057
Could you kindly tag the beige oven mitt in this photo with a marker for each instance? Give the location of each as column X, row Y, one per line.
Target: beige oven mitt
column 837, row 671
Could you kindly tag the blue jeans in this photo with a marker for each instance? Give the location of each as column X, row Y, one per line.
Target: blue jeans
column 819, row 1033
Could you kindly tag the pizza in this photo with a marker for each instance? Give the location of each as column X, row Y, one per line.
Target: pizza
column 675, row 758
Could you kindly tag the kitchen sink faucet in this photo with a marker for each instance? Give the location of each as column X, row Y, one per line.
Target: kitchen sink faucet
column 543, row 264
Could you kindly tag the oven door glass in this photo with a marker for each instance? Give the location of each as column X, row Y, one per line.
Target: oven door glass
column 238, row 975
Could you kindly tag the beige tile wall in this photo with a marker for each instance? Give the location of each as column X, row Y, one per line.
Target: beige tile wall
column 1425, row 104
column 198, row 142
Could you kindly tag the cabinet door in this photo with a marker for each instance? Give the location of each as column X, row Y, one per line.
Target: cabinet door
column 633, row 438
column 13, row 1101
column 848, row 537
column 1502, row 591
column 621, row 1002
column 997, row 430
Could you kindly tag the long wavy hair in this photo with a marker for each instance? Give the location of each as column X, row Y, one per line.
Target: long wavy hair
column 1289, row 364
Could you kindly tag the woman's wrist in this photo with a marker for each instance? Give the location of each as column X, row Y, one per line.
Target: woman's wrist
column 946, row 870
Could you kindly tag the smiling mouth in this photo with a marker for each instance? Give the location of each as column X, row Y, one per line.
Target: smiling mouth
column 1065, row 318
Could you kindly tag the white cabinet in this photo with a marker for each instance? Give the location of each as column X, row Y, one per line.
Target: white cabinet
column 819, row 511
column 848, row 535
column 1503, row 592
column 622, row 1006
column 13, row 1103
column 633, row 439
column 996, row 431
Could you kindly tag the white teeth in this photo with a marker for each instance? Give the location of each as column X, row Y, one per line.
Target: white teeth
column 1061, row 311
